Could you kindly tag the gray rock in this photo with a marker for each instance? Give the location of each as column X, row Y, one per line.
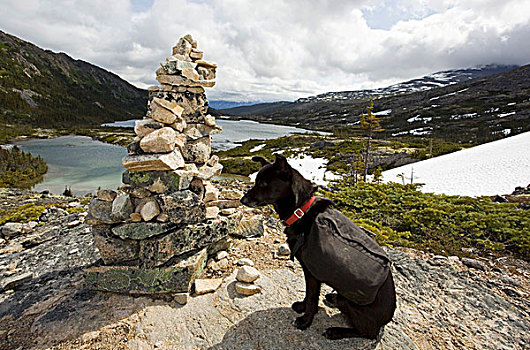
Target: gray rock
column 15, row 281
column 11, row 229
column 146, row 126
column 247, row 274
column 284, row 249
column 247, row 288
column 106, row 195
column 114, row 250
column 142, row 230
column 198, row 151
column 157, row 161
column 181, row 298
column 159, row 141
column 101, row 212
column 207, row 172
column 122, row 207
column 476, row 264
column 148, row 209
column 203, row 286
column 182, row 207
column 245, row 262
column 160, row 250
column 172, row 180
column 133, row 280
column 222, row 254
column 249, row 227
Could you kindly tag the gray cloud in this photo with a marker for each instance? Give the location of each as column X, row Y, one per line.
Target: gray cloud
column 280, row 49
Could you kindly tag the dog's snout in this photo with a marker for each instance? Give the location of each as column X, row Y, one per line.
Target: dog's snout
column 244, row 200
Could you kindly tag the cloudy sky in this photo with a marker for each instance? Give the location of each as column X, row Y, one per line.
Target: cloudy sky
column 280, row 49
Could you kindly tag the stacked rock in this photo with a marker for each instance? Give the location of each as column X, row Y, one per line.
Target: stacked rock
column 154, row 233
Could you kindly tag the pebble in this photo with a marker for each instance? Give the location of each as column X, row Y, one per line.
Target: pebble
column 247, row 274
column 203, row 286
column 247, row 288
column 228, row 211
column 221, row 255
column 181, row 298
column 284, row 249
column 222, row 264
column 474, row 264
column 245, row 262
column 74, row 251
column 73, row 223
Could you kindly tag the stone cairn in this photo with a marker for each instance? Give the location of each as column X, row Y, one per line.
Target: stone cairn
column 155, row 232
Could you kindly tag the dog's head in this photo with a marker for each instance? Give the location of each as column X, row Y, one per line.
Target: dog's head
column 277, row 181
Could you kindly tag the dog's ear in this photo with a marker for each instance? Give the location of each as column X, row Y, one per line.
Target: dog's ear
column 260, row 160
column 284, row 169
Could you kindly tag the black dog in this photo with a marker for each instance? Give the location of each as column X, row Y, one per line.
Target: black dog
column 331, row 250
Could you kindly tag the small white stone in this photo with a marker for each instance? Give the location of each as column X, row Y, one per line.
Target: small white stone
column 203, row 286
column 73, row 251
column 73, row 223
column 284, row 249
column 221, row 255
column 247, row 288
column 212, row 212
column 245, row 262
column 247, row 274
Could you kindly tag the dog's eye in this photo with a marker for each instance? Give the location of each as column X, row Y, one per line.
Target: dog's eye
column 262, row 184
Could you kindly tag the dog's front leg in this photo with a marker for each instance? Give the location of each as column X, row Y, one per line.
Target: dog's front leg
column 312, row 293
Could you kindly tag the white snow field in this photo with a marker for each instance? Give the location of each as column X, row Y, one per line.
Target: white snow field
column 489, row 169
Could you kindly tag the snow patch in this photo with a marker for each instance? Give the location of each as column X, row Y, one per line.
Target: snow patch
column 385, row 112
column 463, row 116
column 257, row 148
column 489, row 169
column 502, row 115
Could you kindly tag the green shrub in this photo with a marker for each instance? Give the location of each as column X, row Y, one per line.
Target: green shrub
column 401, row 214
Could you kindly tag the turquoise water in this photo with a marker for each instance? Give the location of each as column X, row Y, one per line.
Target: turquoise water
column 85, row 164
column 77, row 162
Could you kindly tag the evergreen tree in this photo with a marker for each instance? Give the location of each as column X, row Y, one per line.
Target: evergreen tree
column 369, row 125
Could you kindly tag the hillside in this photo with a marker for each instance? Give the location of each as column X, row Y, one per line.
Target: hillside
column 41, row 88
column 490, row 169
column 472, row 111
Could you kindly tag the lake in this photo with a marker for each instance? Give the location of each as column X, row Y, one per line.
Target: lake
column 236, row 131
column 85, row 164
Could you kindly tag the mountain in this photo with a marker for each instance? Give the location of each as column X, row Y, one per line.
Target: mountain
column 438, row 79
column 41, row 88
column 222, row 104
column 474, row 110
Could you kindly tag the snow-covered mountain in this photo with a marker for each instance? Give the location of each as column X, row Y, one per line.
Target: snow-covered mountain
column 492, row 168
column 434, row 80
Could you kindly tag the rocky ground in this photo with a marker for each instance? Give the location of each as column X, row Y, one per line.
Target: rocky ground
column 443, row 302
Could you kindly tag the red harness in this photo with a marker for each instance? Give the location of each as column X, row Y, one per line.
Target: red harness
column 298, row 213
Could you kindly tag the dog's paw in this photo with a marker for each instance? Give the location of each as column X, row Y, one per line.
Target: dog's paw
column 298, row 306
column 303, row 322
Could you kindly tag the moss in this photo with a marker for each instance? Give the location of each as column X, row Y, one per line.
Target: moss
column 22, row 213
column 140, row 177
